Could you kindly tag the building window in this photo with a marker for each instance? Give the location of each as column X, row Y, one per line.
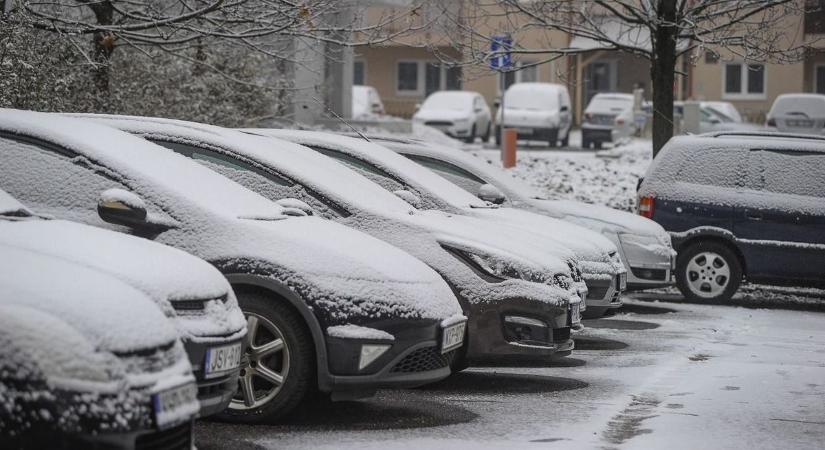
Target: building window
column 359, row 73
column 819, row 79
column 408, row 77
column 455, row 76
column 814, row 17
column 744, row 81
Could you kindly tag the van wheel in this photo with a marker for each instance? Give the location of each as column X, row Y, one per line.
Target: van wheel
column 472, row 137
column 498, row 136
column 708, row 271
column 598, row 145
column 566, row 141
column 553, row 137
column 486, row 137
column 278, row 367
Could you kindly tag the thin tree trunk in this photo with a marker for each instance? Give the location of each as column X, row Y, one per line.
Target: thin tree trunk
column 103, row 45
column 663, row 74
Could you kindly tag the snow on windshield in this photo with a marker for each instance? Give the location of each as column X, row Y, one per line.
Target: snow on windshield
column 531, row 96
column 455, row 101
column 812, row 106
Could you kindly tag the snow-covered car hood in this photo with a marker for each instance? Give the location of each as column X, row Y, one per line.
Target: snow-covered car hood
column 442, row 114
column 166, row 274
column 599, row 218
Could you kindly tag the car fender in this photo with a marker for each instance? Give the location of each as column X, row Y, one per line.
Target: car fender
column 324, row 377
column 679, row 239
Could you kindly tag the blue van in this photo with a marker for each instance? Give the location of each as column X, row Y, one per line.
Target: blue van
column 740, row 206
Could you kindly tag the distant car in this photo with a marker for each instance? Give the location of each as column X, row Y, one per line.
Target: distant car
column 602, row 270
column 521, row 301
column 798, row 113
column 366, row 102
column 86, row 361
column 740, row 205
column 608, row 118
column 644, row 246
column 327, row 308
column 460, row 114
column 718, row 116
column 537, row 111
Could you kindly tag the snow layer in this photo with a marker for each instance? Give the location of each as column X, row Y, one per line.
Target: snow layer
column 346, row 275
column 11, row 207
column 358, row 332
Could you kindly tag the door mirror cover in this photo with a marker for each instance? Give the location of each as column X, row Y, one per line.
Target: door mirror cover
column 120, row 207
column 490, row 193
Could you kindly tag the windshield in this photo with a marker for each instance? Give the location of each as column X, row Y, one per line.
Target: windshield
column 9, row 207
column 453, row 101
column 533, row 97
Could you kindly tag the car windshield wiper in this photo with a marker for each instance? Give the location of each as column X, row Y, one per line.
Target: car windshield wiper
column 15, row 213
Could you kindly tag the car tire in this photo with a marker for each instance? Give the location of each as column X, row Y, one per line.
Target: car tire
column 598, row 145
column 295, row 361
column 552, row 137
column 486, row 137
column 498, row 136
column 472, row 137
column 708, row 271
column 566, row 141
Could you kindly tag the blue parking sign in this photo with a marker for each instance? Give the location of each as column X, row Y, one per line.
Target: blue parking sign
column 501, row 58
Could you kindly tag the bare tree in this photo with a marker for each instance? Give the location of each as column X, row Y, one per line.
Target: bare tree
column 661, row 31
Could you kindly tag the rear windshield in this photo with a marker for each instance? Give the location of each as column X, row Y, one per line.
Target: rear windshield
column 606, row 103
column 531, row 99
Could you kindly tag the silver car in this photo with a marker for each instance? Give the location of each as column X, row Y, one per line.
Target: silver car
column 608, row 118
column 798, row 113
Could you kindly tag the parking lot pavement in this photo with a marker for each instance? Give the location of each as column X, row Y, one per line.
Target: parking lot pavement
column 656, row 375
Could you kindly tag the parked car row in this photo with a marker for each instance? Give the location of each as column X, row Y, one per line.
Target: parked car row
column 285, row 265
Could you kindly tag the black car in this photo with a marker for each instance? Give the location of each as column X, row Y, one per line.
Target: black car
column 740, row 206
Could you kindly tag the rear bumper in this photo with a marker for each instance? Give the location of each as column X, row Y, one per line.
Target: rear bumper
column 597, row 134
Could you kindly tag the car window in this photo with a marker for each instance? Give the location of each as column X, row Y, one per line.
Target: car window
column 257, row 179
column 791, row 172
column 453, row 173
column 728, row 167
column 372, row 172
column 55, row 181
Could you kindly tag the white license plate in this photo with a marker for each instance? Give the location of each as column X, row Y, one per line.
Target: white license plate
column 623, row 281
column 800, row 123
column 452, row 337
column 222, row 359
column 575, row 314
column 176, row 405
column 524, row 130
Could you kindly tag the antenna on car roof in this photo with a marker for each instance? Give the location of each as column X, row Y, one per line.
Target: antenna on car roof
column 342, row 120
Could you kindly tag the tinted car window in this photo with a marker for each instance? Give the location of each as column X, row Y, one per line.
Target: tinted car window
column 364, row 168
column 717, row 167
column 455, row 174
column 792, row 172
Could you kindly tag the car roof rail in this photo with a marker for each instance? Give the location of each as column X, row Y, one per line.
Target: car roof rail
column 765, row 134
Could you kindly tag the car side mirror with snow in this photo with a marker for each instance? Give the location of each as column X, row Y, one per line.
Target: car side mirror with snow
column 408, row 197
column 120, row 207
column 490, row 193
column 417, row 107
column 295, row 207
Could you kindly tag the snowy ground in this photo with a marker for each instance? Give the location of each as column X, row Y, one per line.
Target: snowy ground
column 656, row 375
column 660, row 374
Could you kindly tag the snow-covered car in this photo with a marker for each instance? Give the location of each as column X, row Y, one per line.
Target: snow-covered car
column 460, row 114
column 740, row 205
column 717, row 116
column 602, row 269
column 190, row 292
column 521, row 302
column 727, row 109
column 644, row 246
column 798, row 113
column 537, row 111
column 608, row 118
column 86, row 360
column 327, row 308
column 366, row 102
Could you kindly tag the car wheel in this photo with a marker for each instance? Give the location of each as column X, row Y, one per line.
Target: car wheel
column 708, row 271
column 472, row 137
column 566, row 141
column 598, row 145
column 278, row 368
column 486, row 137
column 585, row 143
column 553, row 137
column 498, row 136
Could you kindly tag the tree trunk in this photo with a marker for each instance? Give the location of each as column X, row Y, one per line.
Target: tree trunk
column 663, row 74
column 103, row 43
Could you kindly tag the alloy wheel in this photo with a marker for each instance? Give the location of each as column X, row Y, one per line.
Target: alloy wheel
column 708, row 274
column 264, row 366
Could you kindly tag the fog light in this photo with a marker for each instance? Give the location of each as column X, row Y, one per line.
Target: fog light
column 371, row 352
column 525, row 330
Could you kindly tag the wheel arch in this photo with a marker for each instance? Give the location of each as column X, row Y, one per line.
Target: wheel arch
column 284, row 294
column 721, row 236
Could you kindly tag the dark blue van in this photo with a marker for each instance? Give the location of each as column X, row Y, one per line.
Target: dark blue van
column 740, row 206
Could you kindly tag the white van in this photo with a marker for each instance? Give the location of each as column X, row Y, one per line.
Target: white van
column 366, row 103
column 538, row 111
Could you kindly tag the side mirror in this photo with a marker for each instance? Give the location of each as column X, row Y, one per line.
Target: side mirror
column 497, row 103
column 564, row 109
column 417, row 106
column 409, row 197
column 490, row 193
column 121, row 207
column 295, row 207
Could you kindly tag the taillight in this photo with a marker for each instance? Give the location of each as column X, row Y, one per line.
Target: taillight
column 646, row 206
column 771, row 122
column 619, row 121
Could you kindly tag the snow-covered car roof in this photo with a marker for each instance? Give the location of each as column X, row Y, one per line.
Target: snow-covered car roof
column 811, row 105
column 338, row 261
column 610, row 103
column 451, row 100
column 386, row 160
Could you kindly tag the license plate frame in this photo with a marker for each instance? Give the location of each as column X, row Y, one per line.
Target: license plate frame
column 452, row 337
column 575, row 313
column 622, row 281
column 524, row 131
column 800, row 123
column 169, row 406
column 219, row 360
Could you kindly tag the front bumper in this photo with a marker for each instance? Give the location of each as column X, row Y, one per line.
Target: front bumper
column 646, row 268
column 603, row 292
column 214, row 393
column 413, row 359
column 492, row 339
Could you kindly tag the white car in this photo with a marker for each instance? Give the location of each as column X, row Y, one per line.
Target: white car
column 602, row 270
column 460, row 114
column 366, row 103
column 644, row 246
column 87, row 361
column 537, row 111
column 608, row 118
column 798, row 113
column 718, row 116
column 725, row 108
column 189, row 291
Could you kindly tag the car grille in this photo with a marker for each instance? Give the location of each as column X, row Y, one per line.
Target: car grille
column 438, row 123
column 423, row 360
column 215, row 387
column 561, row 334
column 194, row 304
column 601, row 119
column 177, row 438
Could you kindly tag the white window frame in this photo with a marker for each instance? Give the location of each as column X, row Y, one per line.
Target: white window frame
column 364, row 63
column 421, row 74
column 816, row 67
column 745, row 73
